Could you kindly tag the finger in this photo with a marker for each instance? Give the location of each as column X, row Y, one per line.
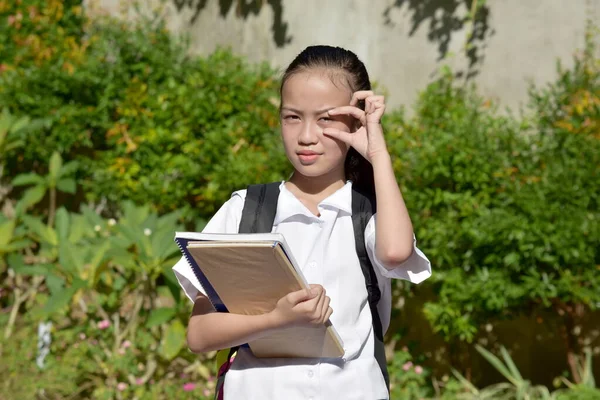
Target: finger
column 328, row 314
column 349, row 110
column 360, row 95
column 324, row 308
column 301, row 295
column 318, row 313
column 345, row 137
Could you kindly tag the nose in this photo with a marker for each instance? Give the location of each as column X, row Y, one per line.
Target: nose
column 309, row 134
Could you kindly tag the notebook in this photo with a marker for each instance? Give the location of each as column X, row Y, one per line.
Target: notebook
column 247, row 274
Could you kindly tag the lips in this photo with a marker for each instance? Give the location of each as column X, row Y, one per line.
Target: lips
column 307, row 156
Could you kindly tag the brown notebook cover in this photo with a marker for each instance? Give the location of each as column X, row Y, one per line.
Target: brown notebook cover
column 249, row 277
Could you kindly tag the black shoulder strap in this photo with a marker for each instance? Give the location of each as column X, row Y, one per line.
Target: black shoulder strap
column 260, row 208
column 363, row 208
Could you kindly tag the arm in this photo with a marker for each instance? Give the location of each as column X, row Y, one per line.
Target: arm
column 395, row 238
column 209, row 330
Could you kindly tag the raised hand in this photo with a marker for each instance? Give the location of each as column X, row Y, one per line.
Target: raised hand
column 368, row 138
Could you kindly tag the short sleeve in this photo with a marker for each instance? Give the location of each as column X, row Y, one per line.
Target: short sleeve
column 415, row 269
column 226, row 220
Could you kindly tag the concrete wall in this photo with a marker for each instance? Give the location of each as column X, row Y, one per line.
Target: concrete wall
column 402, row 42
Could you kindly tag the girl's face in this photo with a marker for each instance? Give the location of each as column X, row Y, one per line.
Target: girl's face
column 306, row 98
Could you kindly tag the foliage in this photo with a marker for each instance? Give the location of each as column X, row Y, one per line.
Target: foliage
column 112, row 137
column 408, row 380
column 508, row 211
column 144, row 120
column 519, row 388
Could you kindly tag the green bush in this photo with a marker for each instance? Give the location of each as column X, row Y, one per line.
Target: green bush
column 145, row 120
column 149, row 137
column 507, row 210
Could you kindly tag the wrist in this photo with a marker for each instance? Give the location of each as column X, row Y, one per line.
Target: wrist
column 272, row 321
column 380, row 159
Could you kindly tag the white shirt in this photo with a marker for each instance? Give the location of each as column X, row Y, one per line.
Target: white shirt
column 324, row 248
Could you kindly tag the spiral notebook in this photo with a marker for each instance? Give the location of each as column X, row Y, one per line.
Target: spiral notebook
column 247, row 274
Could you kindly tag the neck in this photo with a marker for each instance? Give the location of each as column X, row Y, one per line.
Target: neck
column 321, row 186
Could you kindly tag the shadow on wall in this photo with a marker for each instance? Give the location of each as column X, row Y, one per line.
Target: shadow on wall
column 243, row 8
column 445, row 17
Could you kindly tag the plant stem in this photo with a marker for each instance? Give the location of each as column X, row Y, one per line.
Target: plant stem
column 52, row 210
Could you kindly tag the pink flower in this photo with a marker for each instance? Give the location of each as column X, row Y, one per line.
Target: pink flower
column 188, row 387
column 407, row 366
column 121, row 386
column 206, row 392
column 139, row 381
column 103, row 324
column 418, row 370
column 126, row 344
column 82, row 336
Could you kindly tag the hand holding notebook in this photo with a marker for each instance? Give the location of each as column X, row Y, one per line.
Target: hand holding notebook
column 249, row 274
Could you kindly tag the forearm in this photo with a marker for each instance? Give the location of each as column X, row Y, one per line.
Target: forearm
column 394, row 228
column 216, row 331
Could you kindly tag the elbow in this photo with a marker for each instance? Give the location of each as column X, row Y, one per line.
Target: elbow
column 395, row 257
column 196, row 343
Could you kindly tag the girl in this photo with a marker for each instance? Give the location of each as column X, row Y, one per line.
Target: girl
column 332, row 135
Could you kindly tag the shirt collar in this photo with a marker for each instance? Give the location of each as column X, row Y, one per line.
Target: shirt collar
column 288, row 205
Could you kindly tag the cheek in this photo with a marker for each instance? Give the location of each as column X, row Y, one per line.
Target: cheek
column 288, row 136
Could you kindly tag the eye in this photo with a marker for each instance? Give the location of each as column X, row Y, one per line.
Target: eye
column 327, row 119
column 291, row 117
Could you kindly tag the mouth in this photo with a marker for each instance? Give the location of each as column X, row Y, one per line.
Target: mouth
column 307, row 157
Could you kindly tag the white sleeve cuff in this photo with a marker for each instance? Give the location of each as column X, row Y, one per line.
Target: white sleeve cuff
column 415, row 269
column 187, row 280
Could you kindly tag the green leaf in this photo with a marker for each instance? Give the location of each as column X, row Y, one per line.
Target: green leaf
column 70, row 258
column 28, row 179
column 44, row 232
column 97, row 265
column 6, row 232
column 496, row 363
column 55, row 167
column 41, row 269
column 67, row 185
column 32, row 196
column 55, row 283
column 17, row 245
column 62, row 298
column 509, row 362
column 78, row 228
column 159, row 316
column 173, row 340
column 163, row 245
column 62, row 223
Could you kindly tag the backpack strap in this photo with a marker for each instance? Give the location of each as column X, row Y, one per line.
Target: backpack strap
column 363, row 208
column 260, row 208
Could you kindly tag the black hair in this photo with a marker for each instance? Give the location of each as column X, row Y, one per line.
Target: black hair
column 356, row 167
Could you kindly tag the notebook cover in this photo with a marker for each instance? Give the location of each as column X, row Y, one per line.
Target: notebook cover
column 249, row 278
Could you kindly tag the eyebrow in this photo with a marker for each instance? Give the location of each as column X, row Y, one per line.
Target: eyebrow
column 300, row 112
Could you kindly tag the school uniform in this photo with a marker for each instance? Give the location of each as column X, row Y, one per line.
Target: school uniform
column 324, row 248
